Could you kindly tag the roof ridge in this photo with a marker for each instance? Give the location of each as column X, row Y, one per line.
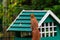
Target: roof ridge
column 35, row 10
column 49, row 12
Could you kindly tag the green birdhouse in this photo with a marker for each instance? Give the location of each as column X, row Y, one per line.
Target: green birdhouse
column 48, row 24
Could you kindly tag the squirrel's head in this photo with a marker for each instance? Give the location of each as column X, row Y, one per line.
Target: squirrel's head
column 32, row 15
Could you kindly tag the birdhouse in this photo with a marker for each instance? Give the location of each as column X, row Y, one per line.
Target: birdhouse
column 48, row 24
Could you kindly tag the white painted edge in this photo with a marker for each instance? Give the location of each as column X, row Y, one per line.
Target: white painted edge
column 35, row 11
column 43, row 19
column 48, row 32
column 14, row 20
column 54, row 16
column 49, row 12
column 49, row 28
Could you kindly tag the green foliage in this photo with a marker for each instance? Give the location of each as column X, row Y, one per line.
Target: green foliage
column 56, row 8
column 26, row 7
column 14, row 7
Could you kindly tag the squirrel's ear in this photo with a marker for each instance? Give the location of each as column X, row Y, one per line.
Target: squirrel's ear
column 32, row 15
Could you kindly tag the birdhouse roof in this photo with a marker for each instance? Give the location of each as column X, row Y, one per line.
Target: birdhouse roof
column 22, row 21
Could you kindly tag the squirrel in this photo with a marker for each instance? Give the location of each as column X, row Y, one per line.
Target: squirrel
column 34, row 27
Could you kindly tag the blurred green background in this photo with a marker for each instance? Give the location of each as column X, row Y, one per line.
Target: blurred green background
column 9, row 9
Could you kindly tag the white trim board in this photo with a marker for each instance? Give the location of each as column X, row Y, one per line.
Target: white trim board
column 49, row 12
column 35, row 10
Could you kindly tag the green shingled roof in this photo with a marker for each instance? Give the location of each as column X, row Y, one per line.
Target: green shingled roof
column 22, row 22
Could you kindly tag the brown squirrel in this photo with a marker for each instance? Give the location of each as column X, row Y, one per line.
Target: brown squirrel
column 34, row 27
